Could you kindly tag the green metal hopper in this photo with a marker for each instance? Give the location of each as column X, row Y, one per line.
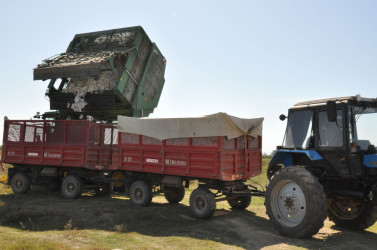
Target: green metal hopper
column 105, row 74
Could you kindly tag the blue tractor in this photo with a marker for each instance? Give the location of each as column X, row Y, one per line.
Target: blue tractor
column 327, row 166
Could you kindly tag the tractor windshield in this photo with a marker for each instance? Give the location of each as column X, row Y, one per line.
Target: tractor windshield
column 364, row 131
column 299, row 129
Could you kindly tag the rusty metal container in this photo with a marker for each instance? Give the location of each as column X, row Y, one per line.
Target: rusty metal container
column 105, row 74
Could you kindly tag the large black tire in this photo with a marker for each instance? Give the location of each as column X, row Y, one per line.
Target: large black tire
column 202, row 203
column 272, row 169
column 352, row 214
column 20, row 183
column 141, row 193
column 174, row 194
column 296, row 203
column 72, row 187
column 240, row 202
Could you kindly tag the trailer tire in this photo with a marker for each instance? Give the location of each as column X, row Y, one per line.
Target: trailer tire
column 240, row 202
column 296, row 203
column 20, row 183
column 174, row 194
column 202, row 203
column 72, row 187
column 351, row 214
column 141, row 193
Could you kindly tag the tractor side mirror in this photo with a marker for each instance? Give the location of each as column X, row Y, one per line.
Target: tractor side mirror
column 331, row 111
column 282, row 117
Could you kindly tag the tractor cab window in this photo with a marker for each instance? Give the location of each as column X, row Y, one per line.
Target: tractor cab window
column 364, row 132
column 330, row 133
column 299, row 129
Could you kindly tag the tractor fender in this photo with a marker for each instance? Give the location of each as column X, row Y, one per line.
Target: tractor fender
column 284, row 158
column 370, row 160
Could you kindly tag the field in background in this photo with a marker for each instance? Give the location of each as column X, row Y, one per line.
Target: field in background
column 43, row 219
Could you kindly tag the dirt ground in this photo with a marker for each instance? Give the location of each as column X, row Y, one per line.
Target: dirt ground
column 103, row 222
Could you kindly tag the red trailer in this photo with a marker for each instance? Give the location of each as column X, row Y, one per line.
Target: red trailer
column 145, row 156
column 50, row 152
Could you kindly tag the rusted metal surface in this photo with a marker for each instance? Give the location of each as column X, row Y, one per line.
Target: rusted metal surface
column 122, row 62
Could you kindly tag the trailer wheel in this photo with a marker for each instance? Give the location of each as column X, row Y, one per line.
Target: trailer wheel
column 352, row 214
column 296, row 203
column 20, row 183
column 174, row 194
column 141, row 193
column 240, row 202
column 72, row 187
column 202, row 203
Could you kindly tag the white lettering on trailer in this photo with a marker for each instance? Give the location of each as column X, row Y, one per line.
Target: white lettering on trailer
column 32, row 154
column 149, row 160
column 175, row 162
column 128, row 159
column 11, row 153
column 51, row 155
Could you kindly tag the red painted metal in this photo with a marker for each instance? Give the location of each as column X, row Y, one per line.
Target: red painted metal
column 208, row 157
column 56, row 143
column 91, row 145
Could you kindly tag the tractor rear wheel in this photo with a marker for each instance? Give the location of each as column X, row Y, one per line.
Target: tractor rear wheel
column 352, row 214
column 141, row 193
column 174, row 194
column 202, row 203
column 296, row 203
column 20, row 183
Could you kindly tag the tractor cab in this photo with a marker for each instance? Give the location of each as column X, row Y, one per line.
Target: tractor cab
column 334, row 137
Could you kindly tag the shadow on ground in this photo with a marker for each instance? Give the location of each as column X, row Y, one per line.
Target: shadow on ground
column 44, row 211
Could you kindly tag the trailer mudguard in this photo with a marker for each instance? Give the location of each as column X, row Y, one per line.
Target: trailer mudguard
column 370, row 160
column 283, row 156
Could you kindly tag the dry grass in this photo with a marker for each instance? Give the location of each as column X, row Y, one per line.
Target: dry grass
column 42, row 219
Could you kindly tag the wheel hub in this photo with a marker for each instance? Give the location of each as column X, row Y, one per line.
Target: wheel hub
column 290, row 203
column 200, row 203
column 138, row 194
column 19, row 183
column 71, row 187
column 346, row 209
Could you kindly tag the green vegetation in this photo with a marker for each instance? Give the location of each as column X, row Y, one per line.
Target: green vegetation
column 43, row 219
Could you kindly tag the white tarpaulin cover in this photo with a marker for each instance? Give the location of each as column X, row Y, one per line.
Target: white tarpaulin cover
column 219, row 124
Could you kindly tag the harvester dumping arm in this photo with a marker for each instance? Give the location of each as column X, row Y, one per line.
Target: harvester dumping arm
column 105, row 74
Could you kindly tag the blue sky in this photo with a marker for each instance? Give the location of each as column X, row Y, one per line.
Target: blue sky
column 246, row 58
